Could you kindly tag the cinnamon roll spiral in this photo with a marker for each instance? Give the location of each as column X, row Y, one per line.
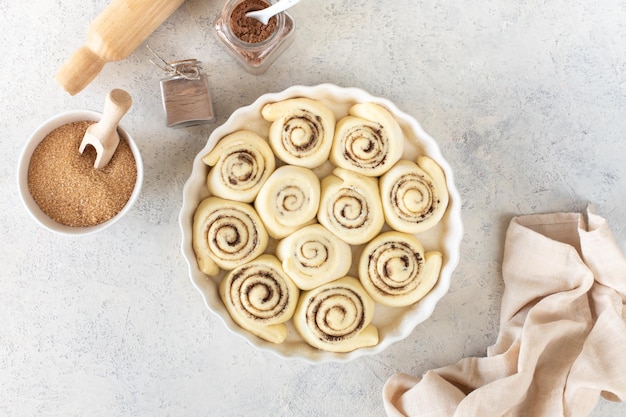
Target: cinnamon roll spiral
column 350, row 206
column 369, row 140
column 241, row 163
column 313, row 256
column 336, row 316
column 260, row 297
column 226, row 234
column 288, row 200
column 414, row 196
column 395, row 270
column 301, row 132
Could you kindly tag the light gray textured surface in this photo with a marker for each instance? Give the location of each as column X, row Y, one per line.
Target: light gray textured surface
column 528, row 103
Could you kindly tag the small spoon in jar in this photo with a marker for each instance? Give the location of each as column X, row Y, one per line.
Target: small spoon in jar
column 264, row 15
column 103, row 135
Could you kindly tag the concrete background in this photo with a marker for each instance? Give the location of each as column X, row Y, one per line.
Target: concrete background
column 527, row 100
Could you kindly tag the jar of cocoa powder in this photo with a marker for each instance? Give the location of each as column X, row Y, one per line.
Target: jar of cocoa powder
column 256, row 46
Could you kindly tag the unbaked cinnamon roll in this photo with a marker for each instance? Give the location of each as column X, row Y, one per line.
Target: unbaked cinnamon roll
column 313, row 256
column 260, row 297
column 337, row 316
column 350, row 206
column 241, row 163
column 369, row 140
column 301, row 132
column 288, row 200
column 226, row 234
column 395, row 270
column 414, row 196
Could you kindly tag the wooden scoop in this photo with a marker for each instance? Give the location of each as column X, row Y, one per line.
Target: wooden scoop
column 103, row 135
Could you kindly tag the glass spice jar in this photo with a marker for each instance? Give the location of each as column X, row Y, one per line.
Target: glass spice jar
column 255, row 46
column 185, row 93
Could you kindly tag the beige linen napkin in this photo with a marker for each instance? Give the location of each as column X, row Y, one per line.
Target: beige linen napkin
column 562, row 340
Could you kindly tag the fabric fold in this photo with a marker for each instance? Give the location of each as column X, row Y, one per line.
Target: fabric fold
column 562, row 330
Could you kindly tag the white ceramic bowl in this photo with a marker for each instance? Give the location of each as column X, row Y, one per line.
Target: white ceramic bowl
column 22, row 173
column 393, row 324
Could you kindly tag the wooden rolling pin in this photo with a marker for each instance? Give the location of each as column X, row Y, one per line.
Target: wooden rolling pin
column 119, row 29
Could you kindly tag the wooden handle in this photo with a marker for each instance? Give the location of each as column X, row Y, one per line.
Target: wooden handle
column 116, row 105
column 103, row 135
column 117, row 31
column 79, row 70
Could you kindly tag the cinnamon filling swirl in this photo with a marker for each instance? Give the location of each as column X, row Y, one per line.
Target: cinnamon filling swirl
column 258, row 293
column 369, row 140
column 336, row 316
column 288, row 200
column 350, row 206
column 232, row 236
column 414, row 195
column 301, row 132
column 241, row 169
column 241, row 163
column 260, row 297
column 313, row 256
column 226, row 234
column 395, row 270
column 366, row 146
column 393, row 267
column 350, row 209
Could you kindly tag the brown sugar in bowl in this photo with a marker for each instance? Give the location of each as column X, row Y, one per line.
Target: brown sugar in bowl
column 91, row 204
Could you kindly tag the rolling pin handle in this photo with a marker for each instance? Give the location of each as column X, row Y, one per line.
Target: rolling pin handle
column 78, row 71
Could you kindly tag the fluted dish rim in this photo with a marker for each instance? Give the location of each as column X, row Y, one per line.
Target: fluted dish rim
column 404, row 320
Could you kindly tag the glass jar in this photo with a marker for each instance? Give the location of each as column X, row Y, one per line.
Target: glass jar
column 259, row 51
column 185, row 93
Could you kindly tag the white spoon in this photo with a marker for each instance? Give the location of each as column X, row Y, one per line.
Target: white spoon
column 264, row 15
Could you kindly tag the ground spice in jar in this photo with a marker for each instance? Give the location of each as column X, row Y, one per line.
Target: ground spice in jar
column 67, row 187
column 248, row 29
column 256, row 49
